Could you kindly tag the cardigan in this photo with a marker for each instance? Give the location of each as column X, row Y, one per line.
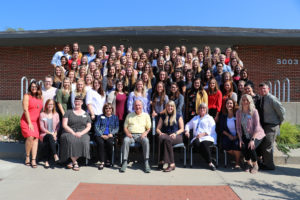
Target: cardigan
column 253, row 125
column 44, row 124
column 100, row 124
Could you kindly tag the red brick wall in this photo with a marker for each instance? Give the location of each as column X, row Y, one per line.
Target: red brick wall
column 16, row 62
column 34, row 62
column 261, row 62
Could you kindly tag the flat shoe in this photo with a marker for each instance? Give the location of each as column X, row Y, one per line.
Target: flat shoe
column 169, row 169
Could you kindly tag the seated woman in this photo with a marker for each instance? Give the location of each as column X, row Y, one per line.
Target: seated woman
column 169, row 129
column 75, row 142
column 106, row 126
column 227, row 129
column 49, row 125
column 249, row 131
column 204, row 134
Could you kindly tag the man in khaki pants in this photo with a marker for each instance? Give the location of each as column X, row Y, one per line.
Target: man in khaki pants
column 136, row 127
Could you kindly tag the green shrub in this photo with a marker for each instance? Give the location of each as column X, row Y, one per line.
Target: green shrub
column 10, row 126
column 289, row 137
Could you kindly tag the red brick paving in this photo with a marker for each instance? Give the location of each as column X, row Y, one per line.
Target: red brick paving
column 144, row 192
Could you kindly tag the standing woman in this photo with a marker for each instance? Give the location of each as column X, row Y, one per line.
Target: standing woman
column 194, row 97
column 208, row 76
column 227, row 128
column 71, row 76
column 32, row 106
column 63, row 99
column 49, row 124
column 159, row 100
column 79, row 91
column 178, row 78
column 177, row 98
column 214, row 99
column 118, row 99
column 88, row 82
column 169, row 129
column 163, row 77
column 189, row 76
column 245, row 76
column 228, row 92
column 129, row 79
column 58, row 77
column 111, row 76
column 249, row 131
column 106, row 126
column 95, row 99
column 64, row 64
column 139, row 93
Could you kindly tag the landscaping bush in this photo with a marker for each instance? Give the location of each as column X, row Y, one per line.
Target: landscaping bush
column 10, row 127
column 289, row 137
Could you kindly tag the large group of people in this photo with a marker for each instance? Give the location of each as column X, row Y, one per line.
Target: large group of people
column 199, row 97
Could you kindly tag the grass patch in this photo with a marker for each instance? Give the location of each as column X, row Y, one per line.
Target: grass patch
column 289, row 137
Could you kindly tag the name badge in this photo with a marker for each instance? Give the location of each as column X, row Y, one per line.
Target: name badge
column 249, row 117
column 102, row 117
column 83, row 116
column 44, row 119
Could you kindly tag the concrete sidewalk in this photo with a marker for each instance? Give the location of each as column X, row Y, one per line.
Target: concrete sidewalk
column 22, row 182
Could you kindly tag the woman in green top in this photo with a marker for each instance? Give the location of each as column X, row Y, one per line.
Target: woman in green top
column 63, row 99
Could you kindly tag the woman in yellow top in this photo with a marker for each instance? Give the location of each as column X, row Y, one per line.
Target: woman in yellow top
column 194, row 97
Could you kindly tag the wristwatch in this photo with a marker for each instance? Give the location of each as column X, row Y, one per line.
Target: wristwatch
column 252, row 139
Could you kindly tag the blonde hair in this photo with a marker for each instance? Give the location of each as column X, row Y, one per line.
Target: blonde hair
column 64, row 91
column 251, row 105
column 83, row 93
column 172, row 116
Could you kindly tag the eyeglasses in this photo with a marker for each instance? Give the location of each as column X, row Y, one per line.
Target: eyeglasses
column 108, row 108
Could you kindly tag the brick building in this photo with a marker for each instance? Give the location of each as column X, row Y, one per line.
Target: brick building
column 269, row 54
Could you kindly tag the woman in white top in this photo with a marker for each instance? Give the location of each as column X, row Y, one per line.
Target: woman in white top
column 88, row 82
column 95, row 99
column 204, row 134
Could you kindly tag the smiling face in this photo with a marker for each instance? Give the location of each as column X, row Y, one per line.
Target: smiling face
column 202, row 111
column 78, row 104
column 96, row 84
column 50, row 106
column 212, row 84
column 33, row 88
column 160, row 88
column 80, row 86
column 138, row 107
column 48, row 83
column 197, row 84
column 120, row 86
column 229, row 105
column 66, row 84
column 139, row 86
column 170, row 108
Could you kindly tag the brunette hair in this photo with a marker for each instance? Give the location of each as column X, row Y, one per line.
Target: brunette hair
column 38, row 94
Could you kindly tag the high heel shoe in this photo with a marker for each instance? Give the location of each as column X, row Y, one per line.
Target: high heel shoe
column 170, row 168
column 33, row 165
column 27, row 163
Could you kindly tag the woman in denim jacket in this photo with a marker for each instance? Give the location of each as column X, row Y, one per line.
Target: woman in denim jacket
column 106, row 126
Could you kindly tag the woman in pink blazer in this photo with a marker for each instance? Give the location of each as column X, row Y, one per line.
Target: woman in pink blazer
column 249, row 131
column 49, row 125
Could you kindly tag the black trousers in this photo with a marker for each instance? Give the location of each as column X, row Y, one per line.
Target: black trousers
column 104, row 146
column 248, row 153
column 50, row 146
column 204, row 149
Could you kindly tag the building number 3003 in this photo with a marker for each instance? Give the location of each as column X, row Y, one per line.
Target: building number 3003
column 287, row 61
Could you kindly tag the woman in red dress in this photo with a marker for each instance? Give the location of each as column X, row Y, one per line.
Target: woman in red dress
column 32, row 106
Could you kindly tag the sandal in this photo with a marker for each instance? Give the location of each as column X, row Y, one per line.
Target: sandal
column 33, row 165
column 27, row 163
column 76, row 167
column 70, row 165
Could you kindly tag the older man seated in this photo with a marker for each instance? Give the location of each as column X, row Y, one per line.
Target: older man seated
column 136, row 127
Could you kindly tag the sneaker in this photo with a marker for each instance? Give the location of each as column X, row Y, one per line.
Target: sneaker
column 124, row 166
column 147, row 167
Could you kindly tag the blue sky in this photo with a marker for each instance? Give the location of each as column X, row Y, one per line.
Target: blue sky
column 64, row 14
